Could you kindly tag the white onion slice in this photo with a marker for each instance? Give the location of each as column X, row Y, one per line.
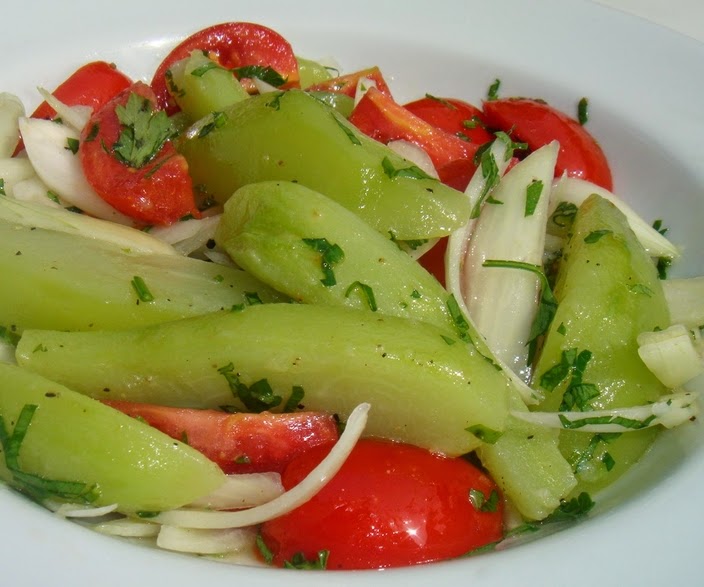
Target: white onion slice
column 187, row 236
column 670, row 355
column 127, row 528
column 199, row 541
column 72, row 510
column 45, row 142
column 575, row 191
column 363, row 86
column 75, row 116
column 13, row 171
column 283, row 504
column 242, row 491
column 11, row 110
column 669, row 411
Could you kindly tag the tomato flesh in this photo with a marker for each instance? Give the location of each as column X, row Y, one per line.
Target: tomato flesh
column 390, row 505
column 537, row 123
column 454, row 116
column 232, row 45
column 380, row 117
column 93, row 84
column 239, row 443
column 158, row 193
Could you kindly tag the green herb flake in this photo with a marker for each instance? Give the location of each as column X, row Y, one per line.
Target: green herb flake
column 143, row 132
column 330, row 255
column 493, row 91
column 482, row 503
column 564, row 214
column 299, row 561
column 275, row 102
column 484, row 434
column 140, row 287
column 53, row 196
column 583, row 111
column 217, row 120
column 533, row 193
column 293, row 402
column 571, row 510
column 608, row 461
column 261, row 72
column 72, row 145
column 448, row 340
column 596, row 236
column 93, row 133
column 205, row 68
column 562, row 329
column 9, row 336
column 663, row 266
column 258, row 397
column 412, row 172
column 147, row 514
column 354, row 139
column 366, row 291
column 2, row 187
column 264, row 550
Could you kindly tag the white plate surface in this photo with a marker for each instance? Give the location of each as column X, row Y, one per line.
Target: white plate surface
column 644, row 84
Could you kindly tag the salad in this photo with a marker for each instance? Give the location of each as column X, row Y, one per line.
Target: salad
column 429, row 336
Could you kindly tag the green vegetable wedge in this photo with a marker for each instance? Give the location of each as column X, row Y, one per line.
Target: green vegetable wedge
column 608, row 292
column 76, row 449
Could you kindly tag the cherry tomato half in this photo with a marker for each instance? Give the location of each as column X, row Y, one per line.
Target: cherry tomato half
column 537, row 123
column 239, row 443
column 160, row 191
column 231, row 44
column 390, row 505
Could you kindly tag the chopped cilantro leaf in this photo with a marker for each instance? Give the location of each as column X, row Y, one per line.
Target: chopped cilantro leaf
column 264, row 73
column 412, row 172
column 533, row 193
column 596, row 235
column 330, row 254
column 583, row 111
column 493, row 91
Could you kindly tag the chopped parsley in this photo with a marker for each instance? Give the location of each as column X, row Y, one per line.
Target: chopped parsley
column 482, row 503
column 354, row 139
column 533, row 193
column 140, row 287
column 299, row 561
column 493, row 91
column 330, row 255
column 485, row 434
column 596, row 236
column 564, row 214
column 72, row 145
column 143, row 131
column 412, row 172
column 217, row 120
column 261, row 72
column 366, row 291
column 583, row 111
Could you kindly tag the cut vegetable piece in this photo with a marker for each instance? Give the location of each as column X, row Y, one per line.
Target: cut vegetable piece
column 13, row 171
column 11, row 110
column 671, row 356
column 201, row 86
column 101, row 455
column 339, row 356
column 33, row 215
column 608, row 293
column 685, row 300
column 69, row 282
column 291, row 136
column 575, row 191
column 510, row 233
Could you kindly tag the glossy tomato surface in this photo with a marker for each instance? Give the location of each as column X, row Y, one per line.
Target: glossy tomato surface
column 390, row 505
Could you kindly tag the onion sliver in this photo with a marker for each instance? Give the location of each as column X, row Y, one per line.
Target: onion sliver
column 283, row 504
column 199, row 541
column 242, row 491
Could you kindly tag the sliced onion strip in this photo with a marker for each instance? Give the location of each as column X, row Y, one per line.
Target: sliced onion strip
column 283, row 504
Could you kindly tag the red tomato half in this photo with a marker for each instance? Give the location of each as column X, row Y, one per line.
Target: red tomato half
column 537, row 124
column 347, row 84
column 390, row 505
column 158, row 192
column 378, row 116
column 239, row 443
column 453, row 116
column 231, row 44
column 434, row 260
column 93, row 84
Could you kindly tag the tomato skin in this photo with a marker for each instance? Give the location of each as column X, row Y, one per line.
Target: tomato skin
column 158, row 193
column 451, row 115
column 231, row 44
column 537, row 123
column 378, row 116
column 347, row 84
column 434, row 260
column 390, row 505
column 93, row 84
column 239, row 443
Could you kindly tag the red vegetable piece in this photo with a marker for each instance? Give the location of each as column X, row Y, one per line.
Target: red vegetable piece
column 156, row 193
column 93, row 84
column 537, row 123
column 378, row 116
column 347, row 84
column 239, row 443
column 454, row 116
column 232, row 45
column 434, row 260
column 390, row 505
